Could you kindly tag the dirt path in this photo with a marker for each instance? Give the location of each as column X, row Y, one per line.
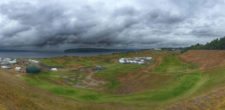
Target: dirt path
column 90, row 82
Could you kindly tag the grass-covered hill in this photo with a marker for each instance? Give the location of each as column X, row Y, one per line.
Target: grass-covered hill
column 193, row 80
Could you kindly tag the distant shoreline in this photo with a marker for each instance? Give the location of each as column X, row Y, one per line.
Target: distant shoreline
column 48, row 54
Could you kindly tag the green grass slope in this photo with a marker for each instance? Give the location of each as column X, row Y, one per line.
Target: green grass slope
column 170, row 81
column 184, row 77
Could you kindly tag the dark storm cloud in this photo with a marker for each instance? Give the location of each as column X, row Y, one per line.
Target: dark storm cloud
column 164, row 17
column 98, row 23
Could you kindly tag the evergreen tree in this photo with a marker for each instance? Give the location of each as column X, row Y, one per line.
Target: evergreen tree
column 217, row 44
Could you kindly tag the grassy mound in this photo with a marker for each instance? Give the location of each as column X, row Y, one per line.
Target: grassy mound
column 170, row 78
column 182, row 78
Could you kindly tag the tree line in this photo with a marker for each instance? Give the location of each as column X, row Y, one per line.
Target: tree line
column 217, row 44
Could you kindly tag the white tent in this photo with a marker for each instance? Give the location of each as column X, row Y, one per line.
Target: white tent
column 122, row 60
column 135, row 60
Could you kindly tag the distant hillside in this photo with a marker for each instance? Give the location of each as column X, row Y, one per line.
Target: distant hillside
column 15, row 50
column 91, row 50
column 11, row 50
column 217, row 44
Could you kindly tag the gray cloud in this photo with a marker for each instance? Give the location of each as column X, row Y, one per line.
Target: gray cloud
column 111, row 24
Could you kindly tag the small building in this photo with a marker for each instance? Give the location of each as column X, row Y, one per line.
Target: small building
column 18, row 68
column 148, row 58
column 33, row 61
column 6, row 61
column 157, row 49
column 54, row 69
column 12, row 61
column 122, row 60
column 5, row 67
column 99, row 68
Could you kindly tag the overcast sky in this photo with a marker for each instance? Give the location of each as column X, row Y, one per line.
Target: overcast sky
column 58, row 24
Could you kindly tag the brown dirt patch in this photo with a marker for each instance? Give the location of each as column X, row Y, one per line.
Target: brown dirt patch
column 140, row 83
column 206, row 59
column 2, row 107
column 144, row 79
column 214, row 100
